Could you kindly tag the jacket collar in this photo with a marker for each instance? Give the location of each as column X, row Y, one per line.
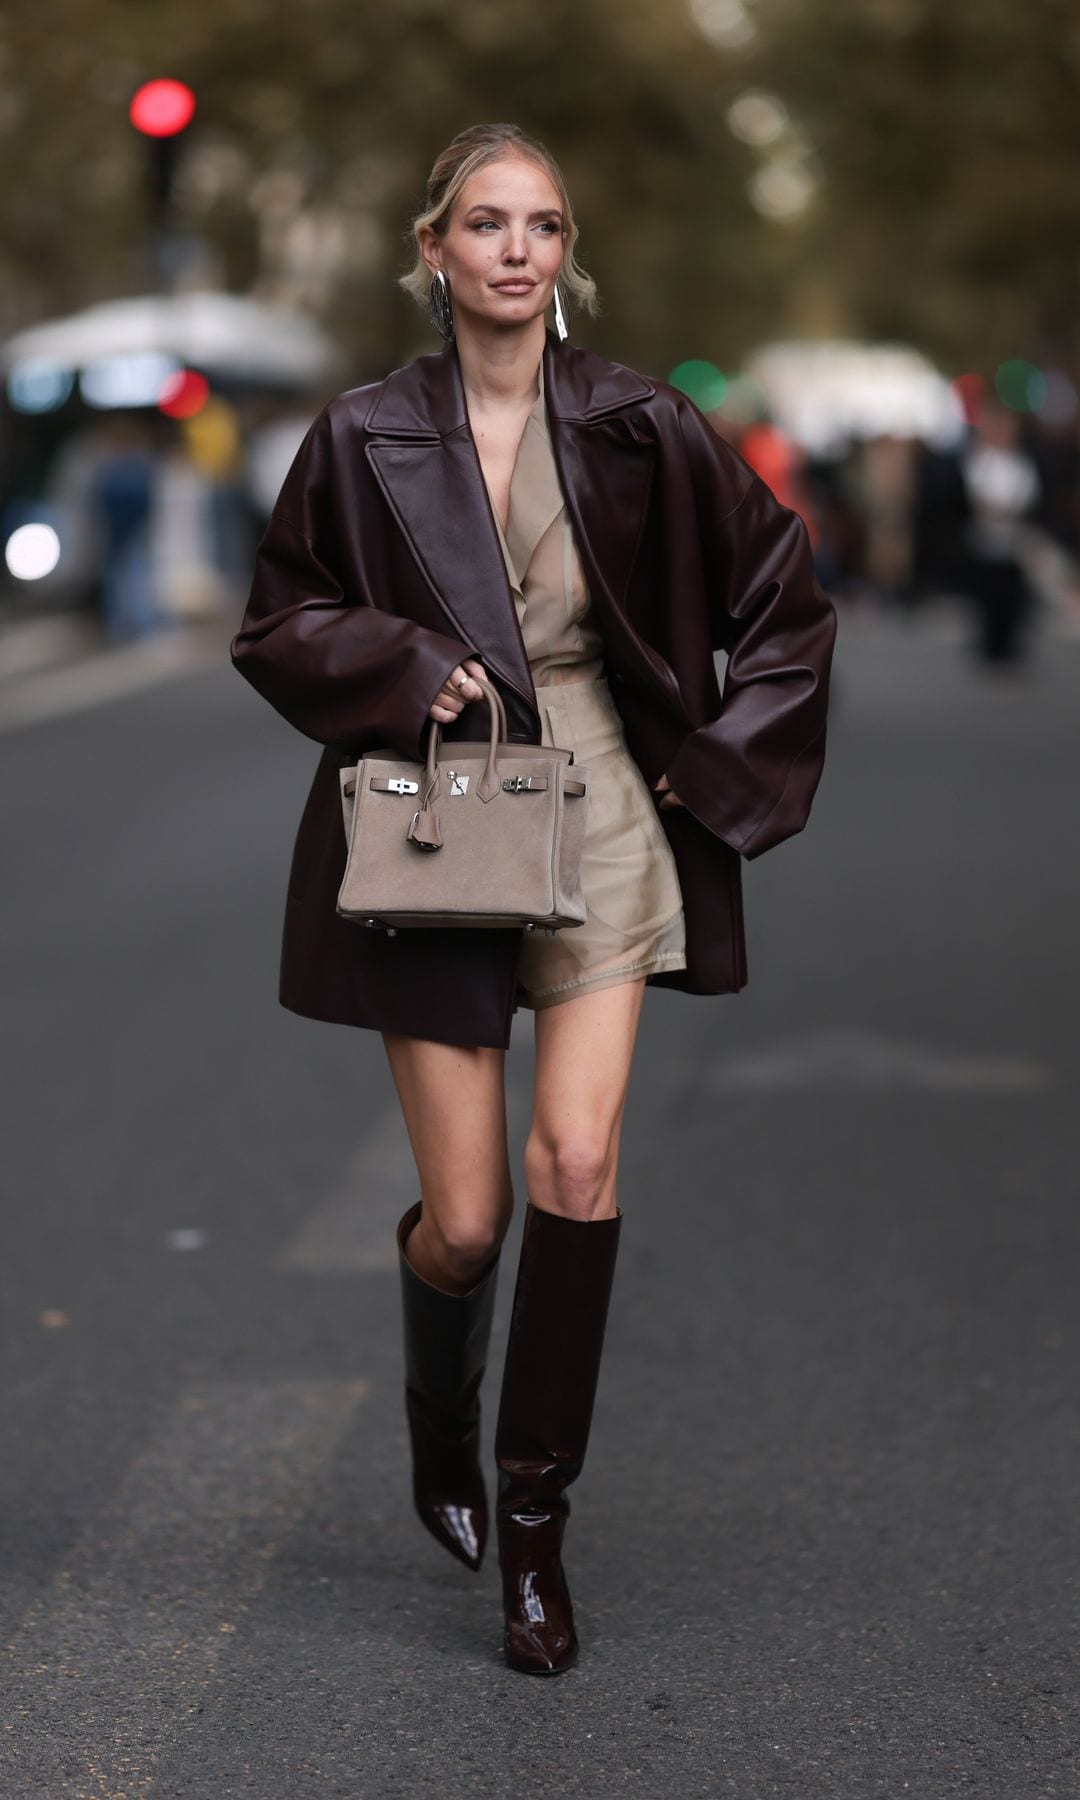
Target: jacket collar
column 426, row 399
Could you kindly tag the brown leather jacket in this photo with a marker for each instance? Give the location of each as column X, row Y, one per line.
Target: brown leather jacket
column 381, row 568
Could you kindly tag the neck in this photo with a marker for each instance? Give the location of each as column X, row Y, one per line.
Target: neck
column 499, row 368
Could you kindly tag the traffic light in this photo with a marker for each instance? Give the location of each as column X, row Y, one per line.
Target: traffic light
column 162, row 110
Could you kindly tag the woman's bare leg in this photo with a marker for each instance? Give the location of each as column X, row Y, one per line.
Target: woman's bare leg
column 454, row 1103
column 584, row 1050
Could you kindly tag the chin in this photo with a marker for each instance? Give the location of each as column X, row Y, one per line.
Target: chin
column 504, row 318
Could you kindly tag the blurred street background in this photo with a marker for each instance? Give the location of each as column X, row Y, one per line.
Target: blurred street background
column 826, row 1543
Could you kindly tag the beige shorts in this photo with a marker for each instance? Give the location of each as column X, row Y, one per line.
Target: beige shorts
column 634, row 914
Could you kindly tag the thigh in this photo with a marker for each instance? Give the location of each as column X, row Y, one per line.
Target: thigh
column 584, row 1053
column 453, row 1099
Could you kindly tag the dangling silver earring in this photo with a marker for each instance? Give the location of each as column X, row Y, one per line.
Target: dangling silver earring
column 561, row 327
column 439, row 306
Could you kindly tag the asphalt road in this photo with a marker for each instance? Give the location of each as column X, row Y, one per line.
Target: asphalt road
column 826, row 1542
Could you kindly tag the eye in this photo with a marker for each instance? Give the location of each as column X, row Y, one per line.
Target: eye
column 549, row 226
column 478, row 224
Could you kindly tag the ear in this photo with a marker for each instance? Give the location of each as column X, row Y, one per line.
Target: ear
column 430, row 248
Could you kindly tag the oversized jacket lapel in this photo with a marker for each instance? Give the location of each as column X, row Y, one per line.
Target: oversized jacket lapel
column 606, row 465
column 423, row 455
column 422, row 452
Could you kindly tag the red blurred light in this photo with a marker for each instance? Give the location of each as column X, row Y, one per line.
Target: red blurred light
column 970, row 390
column 183, row 395
column 162, row 108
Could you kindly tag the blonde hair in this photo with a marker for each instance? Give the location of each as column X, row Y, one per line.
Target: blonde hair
column 473, row 149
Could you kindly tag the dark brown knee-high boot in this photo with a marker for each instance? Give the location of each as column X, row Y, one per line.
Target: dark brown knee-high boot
column 552, row 1364
column 446, row 1345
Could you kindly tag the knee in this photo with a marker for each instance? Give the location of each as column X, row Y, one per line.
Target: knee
column 570, row 1175
column 463, row 1245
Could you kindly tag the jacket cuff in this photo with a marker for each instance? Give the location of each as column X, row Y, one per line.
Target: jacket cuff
column 716, row 786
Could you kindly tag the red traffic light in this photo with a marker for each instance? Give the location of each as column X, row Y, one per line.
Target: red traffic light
column 162, row 108
column 184, row 394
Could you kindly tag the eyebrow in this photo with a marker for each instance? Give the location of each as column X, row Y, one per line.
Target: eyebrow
column 546, row 212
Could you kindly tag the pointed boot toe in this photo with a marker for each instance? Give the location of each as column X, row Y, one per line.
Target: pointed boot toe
column 459, row 1527
column 539, row 1636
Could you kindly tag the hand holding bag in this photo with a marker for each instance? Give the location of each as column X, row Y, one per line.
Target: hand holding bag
column 483, row 834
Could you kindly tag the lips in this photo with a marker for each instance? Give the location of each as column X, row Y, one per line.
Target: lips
column 514, row 287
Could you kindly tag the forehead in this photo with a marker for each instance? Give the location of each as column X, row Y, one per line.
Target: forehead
column 511, row 181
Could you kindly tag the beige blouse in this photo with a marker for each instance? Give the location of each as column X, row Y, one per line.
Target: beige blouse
column 634, row 925
column 546, row 577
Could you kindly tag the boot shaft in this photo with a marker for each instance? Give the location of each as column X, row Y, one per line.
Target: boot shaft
column 446, row 1335
column 446, row 1344
column 549, row 1385
column 553, row 1355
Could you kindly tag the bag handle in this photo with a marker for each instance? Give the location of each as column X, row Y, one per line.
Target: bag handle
column 424, row 829
column 489, row 782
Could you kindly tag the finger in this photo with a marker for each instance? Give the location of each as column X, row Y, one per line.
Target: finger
column 457, row 689
column 463, row 683
column 443, row 715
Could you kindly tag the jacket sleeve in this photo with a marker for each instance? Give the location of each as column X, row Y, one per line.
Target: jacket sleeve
column 750, row 774
column 334, row 665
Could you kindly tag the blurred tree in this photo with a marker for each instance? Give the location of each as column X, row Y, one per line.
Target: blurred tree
column 315, row 131
column 948, row 144
column 738, row 169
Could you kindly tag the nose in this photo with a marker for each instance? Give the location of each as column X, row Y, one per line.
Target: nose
column 516, row 251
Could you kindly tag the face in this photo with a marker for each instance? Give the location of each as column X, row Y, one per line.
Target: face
column 503, row 247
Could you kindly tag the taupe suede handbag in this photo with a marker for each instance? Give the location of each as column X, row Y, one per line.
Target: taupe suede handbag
column 483, row 834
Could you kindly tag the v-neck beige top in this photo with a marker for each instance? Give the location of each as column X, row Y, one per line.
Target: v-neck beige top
column 562, row 640
column 634, row 924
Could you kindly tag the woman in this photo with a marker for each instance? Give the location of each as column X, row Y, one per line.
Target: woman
column 517, row 508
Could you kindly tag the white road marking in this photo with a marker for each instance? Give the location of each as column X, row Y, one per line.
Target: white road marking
column 30, row 645
column 52, row 693
column 867, row 1059
column 154, row 1593
column 352, row 1231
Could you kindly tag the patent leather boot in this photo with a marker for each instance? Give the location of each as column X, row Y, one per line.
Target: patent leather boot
column 552, row 1363
column 446, row 1344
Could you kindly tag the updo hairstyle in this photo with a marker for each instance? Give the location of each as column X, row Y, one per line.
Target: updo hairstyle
column 473, row 149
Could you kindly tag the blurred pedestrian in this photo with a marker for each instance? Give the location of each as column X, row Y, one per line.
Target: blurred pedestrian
column 781, row 462
column 883, row 480
column 122, row 497
column 522, row 509
column 939, row 519
column 1001, row 485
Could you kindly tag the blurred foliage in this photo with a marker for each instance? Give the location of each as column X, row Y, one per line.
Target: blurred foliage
column 949, row 138
column 937, row 147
